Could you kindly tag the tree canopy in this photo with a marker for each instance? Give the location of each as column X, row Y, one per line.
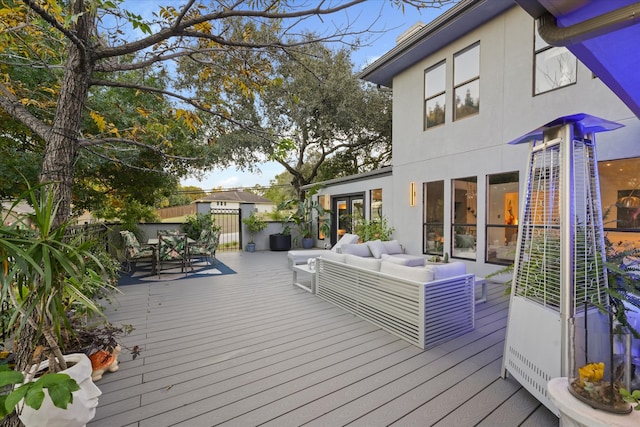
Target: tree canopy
column 313, row 117
column 88, row 82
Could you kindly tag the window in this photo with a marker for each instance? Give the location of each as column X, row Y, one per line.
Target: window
column 375, row 215
column 620, row 195
column 434, row 95
column 433, row 234
column 555, row 67
column 502, row 217
column 466, row 82
column 464, row 212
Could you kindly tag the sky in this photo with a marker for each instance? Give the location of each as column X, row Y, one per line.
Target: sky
column 387, row 20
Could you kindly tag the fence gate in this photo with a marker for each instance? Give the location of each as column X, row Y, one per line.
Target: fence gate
column 229, row 221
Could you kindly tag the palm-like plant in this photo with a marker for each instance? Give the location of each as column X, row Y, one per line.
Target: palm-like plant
column 43, row 277
column 303, row 215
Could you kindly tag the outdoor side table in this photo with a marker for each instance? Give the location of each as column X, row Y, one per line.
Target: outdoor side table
column 309, row 284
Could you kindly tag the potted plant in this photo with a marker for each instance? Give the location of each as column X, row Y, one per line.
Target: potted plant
column 254, row 225
column 305, row 213
column 281, row 241
column 43, row 273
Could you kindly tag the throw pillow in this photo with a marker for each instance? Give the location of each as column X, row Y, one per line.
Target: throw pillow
column 377, row 248
column 393, row 247
column 357, row 249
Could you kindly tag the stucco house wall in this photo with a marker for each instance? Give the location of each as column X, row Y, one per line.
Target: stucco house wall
column 478, row 145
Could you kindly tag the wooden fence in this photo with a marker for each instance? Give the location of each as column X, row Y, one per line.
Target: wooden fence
column 177, row 211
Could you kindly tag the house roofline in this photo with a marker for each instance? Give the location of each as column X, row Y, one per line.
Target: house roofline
column 387, row 170
column 451, row 25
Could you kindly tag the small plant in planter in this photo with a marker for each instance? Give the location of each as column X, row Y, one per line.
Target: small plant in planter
column 61, row 385
column 101, row 343
column 254, row 226
column 44, row 272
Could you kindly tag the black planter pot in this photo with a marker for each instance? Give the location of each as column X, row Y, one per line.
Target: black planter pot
column 280, row 242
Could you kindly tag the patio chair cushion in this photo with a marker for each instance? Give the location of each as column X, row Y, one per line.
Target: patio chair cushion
column 171, row 248
column 132, row 247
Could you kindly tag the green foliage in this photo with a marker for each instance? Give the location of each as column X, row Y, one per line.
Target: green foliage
column 326, row 111
column 60, row 387
column 303, row 215
column 633, row 397
column 194, row 224
column 373, row 229
column 47, row 274
column 254, row 225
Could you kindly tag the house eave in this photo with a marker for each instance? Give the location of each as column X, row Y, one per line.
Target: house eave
column 387, row 170
column 451, row 25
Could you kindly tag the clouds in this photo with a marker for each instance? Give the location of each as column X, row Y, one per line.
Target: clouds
column 234, row 178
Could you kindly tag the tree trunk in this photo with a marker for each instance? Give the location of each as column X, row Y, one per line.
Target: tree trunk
column 62, row 144
column 62, row 148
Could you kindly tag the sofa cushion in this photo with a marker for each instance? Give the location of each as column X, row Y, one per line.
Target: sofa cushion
column 368, row 263
column 394, row 259
column 404, row 259
column 377, row 248
column 393, row 247
column 450, row 269
column 357, row 249
column 333, row 256
column 421, row 275
column 345, row 240
column 411, row 260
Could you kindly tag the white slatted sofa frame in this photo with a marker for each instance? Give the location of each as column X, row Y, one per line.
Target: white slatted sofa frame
column 424, row 314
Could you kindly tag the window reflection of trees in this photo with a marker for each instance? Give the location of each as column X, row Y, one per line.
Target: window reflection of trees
column 555, row 67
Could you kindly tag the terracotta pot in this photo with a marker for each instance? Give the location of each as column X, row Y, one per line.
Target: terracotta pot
column 85, row 400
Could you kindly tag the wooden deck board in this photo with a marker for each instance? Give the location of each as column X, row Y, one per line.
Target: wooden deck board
column 251, row 349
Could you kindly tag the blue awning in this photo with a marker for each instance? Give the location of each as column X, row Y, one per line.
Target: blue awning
column 611, row 49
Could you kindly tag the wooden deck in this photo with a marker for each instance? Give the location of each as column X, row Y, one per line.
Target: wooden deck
column 250, row 349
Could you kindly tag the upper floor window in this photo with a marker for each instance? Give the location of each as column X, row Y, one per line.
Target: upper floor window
column 555, row 67
column 434, row 95
column 466, row 82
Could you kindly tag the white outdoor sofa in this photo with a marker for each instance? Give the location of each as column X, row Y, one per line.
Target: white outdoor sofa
column 424, row 305
column 301, row 256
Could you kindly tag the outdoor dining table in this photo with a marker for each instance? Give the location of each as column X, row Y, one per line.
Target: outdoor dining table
column 154, row 241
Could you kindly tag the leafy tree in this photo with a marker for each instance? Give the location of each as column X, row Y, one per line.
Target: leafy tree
column 315, row 110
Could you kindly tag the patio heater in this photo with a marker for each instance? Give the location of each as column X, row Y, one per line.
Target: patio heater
column 559, row 275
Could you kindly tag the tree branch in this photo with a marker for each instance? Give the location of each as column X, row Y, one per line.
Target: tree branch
column 55, row 24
